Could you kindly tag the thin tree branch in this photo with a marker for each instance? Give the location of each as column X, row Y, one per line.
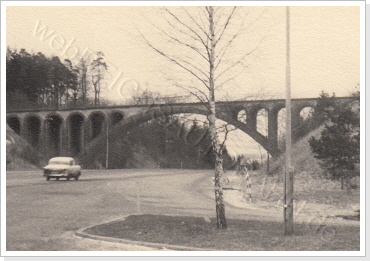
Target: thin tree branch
column 183, row 32
column 225, row 25
column 201, row 99
column 173, row 60
column 189, row 28
column 189, row 89
column 219, row 86
column 192, row 65
column 181, row 42
column 224, row 49
column 195, row 22
column 235, row 64
column 241, row 60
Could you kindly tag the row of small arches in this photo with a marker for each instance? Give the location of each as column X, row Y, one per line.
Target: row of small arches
column 262, row 119
column 76, row 125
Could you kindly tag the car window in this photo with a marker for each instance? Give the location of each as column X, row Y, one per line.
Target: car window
column 58, row 163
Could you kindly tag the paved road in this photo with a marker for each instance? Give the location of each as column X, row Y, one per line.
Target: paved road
column 43, row 215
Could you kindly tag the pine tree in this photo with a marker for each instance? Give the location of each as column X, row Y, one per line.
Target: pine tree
column 338, row 148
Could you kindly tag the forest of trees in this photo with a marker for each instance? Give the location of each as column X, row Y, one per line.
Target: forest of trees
column 35, row 81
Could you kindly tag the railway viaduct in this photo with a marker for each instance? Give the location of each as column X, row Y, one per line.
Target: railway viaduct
column 69, row 131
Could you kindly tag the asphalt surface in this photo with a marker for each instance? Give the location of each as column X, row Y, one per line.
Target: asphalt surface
column 44, row 215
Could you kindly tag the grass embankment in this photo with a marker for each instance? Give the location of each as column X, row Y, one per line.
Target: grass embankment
column 310, row 185
column 241, row 235
column 19, row 154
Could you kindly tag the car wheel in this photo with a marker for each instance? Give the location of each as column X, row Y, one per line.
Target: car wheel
column 57, row 178
column 76, row 178
column 47, row 178
column 67, row 178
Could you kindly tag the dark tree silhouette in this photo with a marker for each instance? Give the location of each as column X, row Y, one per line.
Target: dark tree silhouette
column 36, row 81
column 98, row 67
column 338, row 148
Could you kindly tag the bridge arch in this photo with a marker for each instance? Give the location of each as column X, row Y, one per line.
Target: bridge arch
column 97, row 121
column 54, row 126
column 157, row 112
column 235, row 110
column 306, row 112
column 74, row 114
column 14, row 123
column 281, row 127
column 262, row 116
column 33, row 129
column 116, row 116
column 242, row 116
column 252, row 113
column 297, row 109
column 75, row 125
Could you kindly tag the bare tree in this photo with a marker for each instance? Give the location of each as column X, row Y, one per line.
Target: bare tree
column 98, row 68
column 83, row 69
column 204, row 39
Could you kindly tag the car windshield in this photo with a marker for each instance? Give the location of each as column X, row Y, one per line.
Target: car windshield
column 52, row 162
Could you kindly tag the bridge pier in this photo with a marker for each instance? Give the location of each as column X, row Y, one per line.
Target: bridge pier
column 87, row 131
column 296, row 117
column 64, row 139
column 55, row 131
column 75, row 132
column 22, row 129
column 252, row 118
column 42, row 141
column 273, row 127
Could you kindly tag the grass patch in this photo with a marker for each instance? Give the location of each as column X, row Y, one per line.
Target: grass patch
column 307, row 187
column 310, row 184
column 241, row 235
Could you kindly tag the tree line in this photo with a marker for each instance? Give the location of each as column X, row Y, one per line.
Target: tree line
column 35, row 81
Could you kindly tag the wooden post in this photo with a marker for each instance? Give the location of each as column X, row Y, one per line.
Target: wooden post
column 107, row 144
column 288, row 184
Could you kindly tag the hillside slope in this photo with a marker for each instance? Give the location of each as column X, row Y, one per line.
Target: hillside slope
column 310, row 185
column 302, row 157
column 19, row 154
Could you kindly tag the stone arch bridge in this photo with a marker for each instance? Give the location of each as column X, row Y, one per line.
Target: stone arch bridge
column 69, row 131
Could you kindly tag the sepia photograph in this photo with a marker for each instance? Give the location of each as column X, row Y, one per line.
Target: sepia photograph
column 179, row 128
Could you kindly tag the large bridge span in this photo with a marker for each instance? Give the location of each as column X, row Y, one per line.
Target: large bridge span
column 69, row 131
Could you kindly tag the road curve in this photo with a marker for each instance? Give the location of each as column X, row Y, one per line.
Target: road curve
column 43, row 215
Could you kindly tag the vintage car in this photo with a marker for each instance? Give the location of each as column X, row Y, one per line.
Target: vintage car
column 62, row 167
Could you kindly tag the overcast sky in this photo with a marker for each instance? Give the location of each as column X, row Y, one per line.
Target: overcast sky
column 325, row 47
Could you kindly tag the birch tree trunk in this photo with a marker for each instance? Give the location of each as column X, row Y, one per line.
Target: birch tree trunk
column 220, row 207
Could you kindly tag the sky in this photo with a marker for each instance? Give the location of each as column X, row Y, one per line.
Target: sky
column 325, row 40
column 325, row 47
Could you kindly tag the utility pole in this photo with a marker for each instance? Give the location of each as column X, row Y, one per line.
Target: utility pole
column 288, row 180
column 107, row 152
